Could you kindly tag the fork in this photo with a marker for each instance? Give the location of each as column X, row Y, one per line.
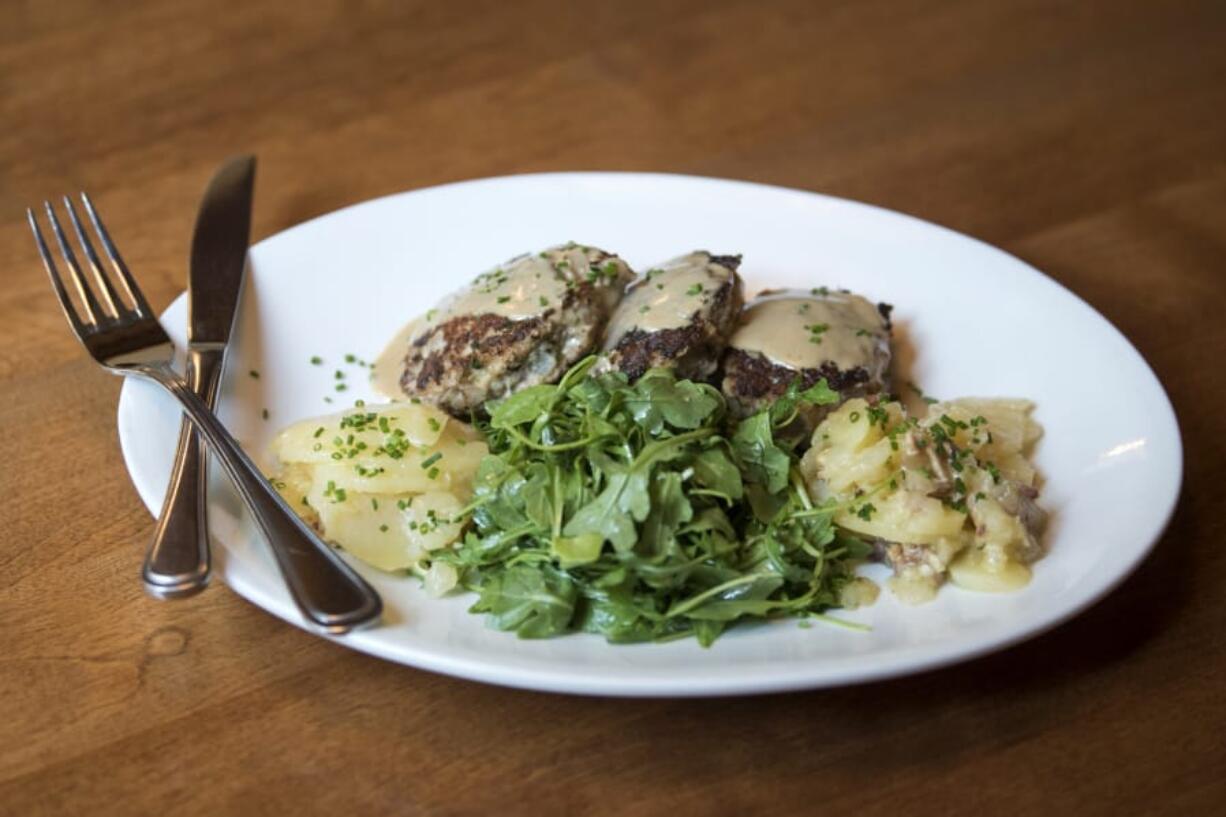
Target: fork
column 126, row 339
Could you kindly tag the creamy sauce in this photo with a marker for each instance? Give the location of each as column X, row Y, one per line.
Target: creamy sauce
column 668, row 296
column 524, row 287
column 389, row 365
column 804, row 331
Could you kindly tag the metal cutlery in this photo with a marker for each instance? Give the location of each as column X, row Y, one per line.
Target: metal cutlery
column 178, row 562
column 126, row 339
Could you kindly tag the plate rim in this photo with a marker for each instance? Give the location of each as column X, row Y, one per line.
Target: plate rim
column 787, row 677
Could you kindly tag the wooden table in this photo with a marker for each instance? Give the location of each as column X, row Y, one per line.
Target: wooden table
column 1087, row 138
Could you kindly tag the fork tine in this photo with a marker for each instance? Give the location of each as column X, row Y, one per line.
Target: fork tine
column 53, row 273
column 110, row 298
column 93, row 310
column 121, row 269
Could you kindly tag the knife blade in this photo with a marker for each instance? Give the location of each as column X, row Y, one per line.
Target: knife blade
column 219, row 251
column 178, row 563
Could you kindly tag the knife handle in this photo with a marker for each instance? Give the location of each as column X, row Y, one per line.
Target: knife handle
column 178, row 563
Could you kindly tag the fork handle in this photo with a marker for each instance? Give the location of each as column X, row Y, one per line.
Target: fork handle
column 328, row 592
column 178, row 563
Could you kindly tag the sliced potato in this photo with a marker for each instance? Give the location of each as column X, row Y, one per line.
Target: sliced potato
column 849, row 452
column 859, row 592
column 445, row 466
column 440, row 579
column 1008, row 430
column 366, row 428
column 1016, row 467
column 904, row 516
column 387, row 531
column 372, row 528
column 432, row 519
column 847, row 428
column 294, row 484
column 973, row 572
column 386, row 483
column 462, row 454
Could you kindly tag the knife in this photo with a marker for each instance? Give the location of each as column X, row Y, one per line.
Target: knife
column 178, row 563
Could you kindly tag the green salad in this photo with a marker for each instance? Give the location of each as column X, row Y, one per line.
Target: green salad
column 645, row 512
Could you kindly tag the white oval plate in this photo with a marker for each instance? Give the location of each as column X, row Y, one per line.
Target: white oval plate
column 971, row 320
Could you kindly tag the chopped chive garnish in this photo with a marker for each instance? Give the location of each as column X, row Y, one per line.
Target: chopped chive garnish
column 316, row 360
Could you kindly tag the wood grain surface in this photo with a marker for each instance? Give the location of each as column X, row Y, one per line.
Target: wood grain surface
column 1087, row 138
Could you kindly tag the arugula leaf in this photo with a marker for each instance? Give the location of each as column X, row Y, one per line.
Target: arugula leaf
column 535, row 603
column 660, row 398
column 614, row 511
column 751, row 599
column 762, row 461
column 524, row 406
column 853, row 546
column 538, row 495
column 498, row 488
column 715, row 471
column 820, row 394
column 786, row 407
column 712, row 520
column 625, row 499
column 669, row 511
column 706, row 631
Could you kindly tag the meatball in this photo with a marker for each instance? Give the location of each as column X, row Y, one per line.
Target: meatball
column 785, row 337
column 523, row 323
column 678, row 316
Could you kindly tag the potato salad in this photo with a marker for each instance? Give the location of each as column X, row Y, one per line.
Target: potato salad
column 950, row 495
column 387, row 483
